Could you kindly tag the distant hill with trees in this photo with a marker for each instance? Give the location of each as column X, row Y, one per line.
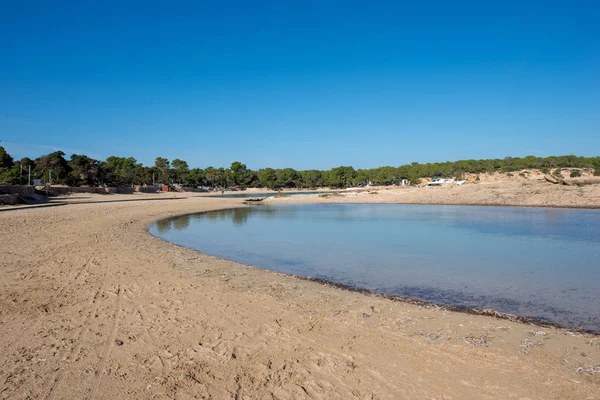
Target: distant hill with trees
column 81, row 170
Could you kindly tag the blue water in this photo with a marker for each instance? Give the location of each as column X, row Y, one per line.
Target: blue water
column 542, row 263
column 268, row 194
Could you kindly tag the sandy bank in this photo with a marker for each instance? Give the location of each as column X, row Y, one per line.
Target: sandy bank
column 525, row 194
column 92, row 306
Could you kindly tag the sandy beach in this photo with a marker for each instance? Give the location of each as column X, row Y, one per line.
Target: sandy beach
column 525, row 193
column 284, row 200
column 92, row 306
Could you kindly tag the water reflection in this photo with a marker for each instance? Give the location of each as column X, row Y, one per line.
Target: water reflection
column 570, row 224
column 181, row 222
column 164, row 225
column 237, row 216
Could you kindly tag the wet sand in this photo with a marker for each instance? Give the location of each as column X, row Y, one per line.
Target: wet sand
column 92, row 306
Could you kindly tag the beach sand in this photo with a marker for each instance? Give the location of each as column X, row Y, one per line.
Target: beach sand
column 92, row 306
column 532, row 193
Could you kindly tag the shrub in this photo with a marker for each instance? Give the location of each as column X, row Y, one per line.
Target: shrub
column 575, row 174
column 509, row 174
column 545, row 170
column 597, row 172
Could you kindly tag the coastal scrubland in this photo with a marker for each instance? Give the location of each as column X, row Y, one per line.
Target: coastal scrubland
column 82, row 170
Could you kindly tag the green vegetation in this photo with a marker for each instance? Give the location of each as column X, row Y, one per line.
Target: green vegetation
column 575, row 174
column 334, row 194
column 81, row 170
column 6, row 161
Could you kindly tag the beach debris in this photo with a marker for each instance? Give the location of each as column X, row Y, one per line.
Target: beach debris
column 527, row 344
column 538, row 333
column 119, row 342
column 477, row 341
column 590, row 369
column 570, row 333
column 434, row 336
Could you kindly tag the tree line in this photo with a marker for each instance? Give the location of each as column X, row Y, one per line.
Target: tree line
column 81, row 170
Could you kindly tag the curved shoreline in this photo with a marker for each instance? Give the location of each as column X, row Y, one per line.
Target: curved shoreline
column 101, row 308
column 404, row 299
column 488, row 312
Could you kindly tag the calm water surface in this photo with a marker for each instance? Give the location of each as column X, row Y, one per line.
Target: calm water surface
column 542, row 263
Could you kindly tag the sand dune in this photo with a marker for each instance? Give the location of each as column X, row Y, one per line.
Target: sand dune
column 505, row 193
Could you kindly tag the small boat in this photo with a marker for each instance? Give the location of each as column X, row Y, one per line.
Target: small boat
column 439, row 182
column 254, row 199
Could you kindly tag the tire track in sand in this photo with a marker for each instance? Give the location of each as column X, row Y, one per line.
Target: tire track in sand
column 52, row 388
column 69, row 355
column 153, row 340
column 110, row 342
column 25, row 333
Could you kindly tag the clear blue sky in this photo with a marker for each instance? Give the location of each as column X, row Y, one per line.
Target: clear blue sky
column 304, row 84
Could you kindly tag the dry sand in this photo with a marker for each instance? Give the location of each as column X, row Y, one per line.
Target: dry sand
column 92, row 306
column 533, row 193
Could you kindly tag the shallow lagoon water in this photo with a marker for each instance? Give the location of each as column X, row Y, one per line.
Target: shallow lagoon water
column 534, row 262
